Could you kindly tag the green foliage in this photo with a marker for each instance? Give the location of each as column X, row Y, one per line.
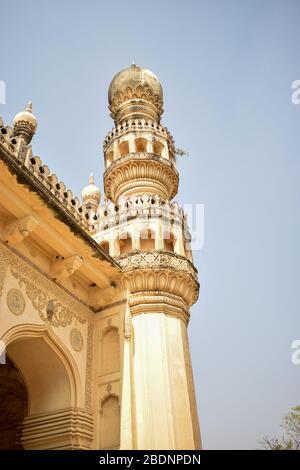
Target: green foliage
column 291, row 439
column 181, row 153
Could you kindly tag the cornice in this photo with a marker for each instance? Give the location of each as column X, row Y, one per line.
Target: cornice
column 26, row 178
column 160, row 271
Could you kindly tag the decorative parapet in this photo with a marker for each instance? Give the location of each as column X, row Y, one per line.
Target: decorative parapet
column 138, row 125
column 143, row 207
column 23, row 156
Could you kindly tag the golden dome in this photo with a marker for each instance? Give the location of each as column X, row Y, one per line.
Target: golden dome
column 135, row 92
column 91, row 193
column 27, row 119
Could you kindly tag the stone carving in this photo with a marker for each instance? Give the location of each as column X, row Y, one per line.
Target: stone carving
column 63, row 268
column 15, row 301
column 41, row 290
column 63, row 315
column 76, row 339
column 157, row 259
column 139, row 92
column 16, row 231
column 159, row 271
column 89, row 365
column 155, row 175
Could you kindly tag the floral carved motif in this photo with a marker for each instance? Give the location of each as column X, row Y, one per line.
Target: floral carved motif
column 76, row 339
column 89, row 366
column 142, row 92
column 157, row 259
column 42, row 292
column 62, row 314
column 15, row 301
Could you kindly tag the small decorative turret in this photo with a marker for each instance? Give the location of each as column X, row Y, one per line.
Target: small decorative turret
column 25, row 124
column 91, row 195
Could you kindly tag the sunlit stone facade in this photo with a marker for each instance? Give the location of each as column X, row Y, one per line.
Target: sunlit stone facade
column 95, row 297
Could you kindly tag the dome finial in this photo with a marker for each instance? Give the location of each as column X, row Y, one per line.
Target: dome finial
column 25, row 123
column 29, row 107
column 91, row 194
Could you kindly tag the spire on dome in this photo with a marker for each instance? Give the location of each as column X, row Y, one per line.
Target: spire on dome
column 91, row 194
column 25, row 123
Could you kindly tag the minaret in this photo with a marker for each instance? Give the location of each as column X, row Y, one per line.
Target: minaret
column 148, row 235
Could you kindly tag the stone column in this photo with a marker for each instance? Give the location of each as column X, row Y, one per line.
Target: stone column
column 164, row 396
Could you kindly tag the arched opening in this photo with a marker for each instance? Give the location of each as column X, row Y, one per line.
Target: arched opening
column 169, row 241
column 158, row 148
column 109, row 158
column 125, row 244
column 147, row 240
column 44, row 367
column 105, row 246
column 13, row 405
column 110, row 423
column 123, row 148
column 110, row 351
column 140, row 144
column 47, row 379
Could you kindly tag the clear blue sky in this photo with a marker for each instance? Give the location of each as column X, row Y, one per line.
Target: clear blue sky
column 226, row 68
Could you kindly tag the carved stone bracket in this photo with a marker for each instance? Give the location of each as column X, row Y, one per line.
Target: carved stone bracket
column 63, row 268
column 160, row 274
column 99, row 297
column 15, row 232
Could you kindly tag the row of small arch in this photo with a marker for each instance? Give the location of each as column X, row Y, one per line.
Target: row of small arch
column 141, row 145
column 146, row 241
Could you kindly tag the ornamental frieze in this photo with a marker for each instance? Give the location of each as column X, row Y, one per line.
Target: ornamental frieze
column 50, row 309
column 156, row 259
column 52, row 303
